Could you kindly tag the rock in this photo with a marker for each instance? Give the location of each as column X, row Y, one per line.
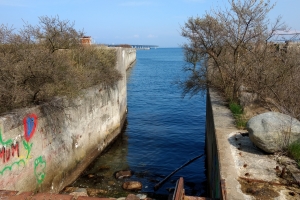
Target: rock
column 247, row 98
column 94, row 178
column 91, row 175
column 111, row 183
column 132, row 185
column 132, row 197
column 123, row 174
column 68, row 190
column 80, row 192
column 95, row 192
column 273, row 131
column 141, row 196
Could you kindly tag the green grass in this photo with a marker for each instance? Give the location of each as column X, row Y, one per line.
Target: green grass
column 294, row 151
column 237, row 112
column 235, row 108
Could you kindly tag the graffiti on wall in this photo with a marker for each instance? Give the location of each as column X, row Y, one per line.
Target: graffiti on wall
column 39, row 169
column 11, row 149
column 9, row 167
column 30, row 122
column 8, row 149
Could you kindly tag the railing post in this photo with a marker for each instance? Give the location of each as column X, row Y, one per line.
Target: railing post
column 223, row 189
column 179, row 190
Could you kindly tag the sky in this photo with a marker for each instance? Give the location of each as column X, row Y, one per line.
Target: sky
column 143, row 22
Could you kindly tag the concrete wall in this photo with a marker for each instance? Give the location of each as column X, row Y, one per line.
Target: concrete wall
column 221, row 171
column 45, row 148
column 129, row 56
column 213, row 174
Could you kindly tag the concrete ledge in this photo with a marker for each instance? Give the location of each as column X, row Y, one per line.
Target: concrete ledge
column 222, row 174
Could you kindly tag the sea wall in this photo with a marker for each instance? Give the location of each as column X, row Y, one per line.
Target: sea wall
column 44, row 148
column 221, row 171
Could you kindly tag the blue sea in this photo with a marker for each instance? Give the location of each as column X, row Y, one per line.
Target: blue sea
column 163, row 131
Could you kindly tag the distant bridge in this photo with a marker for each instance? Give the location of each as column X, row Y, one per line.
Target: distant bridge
column 288, row 37
column 136, row 46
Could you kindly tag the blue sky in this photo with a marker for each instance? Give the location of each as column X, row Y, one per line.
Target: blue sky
column 151, row 22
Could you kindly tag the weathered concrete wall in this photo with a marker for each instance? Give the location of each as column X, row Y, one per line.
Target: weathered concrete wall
column 45, row 148
column 222, row 174
column 129, row 56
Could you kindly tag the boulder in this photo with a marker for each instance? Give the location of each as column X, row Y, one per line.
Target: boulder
column 273, row 131
column 132, row 185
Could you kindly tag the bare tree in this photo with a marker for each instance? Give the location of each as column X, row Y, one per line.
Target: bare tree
column 236, row 48
column 230, row 43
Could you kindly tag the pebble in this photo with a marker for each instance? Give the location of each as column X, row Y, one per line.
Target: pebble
column 80, row 192
column 123, row 174
column 141, row 196
column 132, row 197
column 132, row 185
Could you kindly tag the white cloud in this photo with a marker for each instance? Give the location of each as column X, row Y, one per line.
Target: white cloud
column 151, row 36
column 136, row 36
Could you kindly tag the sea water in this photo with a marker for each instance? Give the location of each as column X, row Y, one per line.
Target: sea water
column 162, row 132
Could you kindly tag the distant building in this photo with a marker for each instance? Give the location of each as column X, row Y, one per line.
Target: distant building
column 86, row 40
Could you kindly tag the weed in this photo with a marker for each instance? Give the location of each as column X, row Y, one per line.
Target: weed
column 235, row 108
column 241, row 121
column 237, row 112
column 294, row 151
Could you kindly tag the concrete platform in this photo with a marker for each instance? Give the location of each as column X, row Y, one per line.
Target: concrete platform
column 247, row 172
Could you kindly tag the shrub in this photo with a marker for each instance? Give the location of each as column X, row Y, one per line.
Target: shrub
column 48, row 60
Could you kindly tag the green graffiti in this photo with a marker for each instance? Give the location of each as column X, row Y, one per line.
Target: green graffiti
column 28, row 147
column 10, row 167
column 8, row 142
column 39, row 169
